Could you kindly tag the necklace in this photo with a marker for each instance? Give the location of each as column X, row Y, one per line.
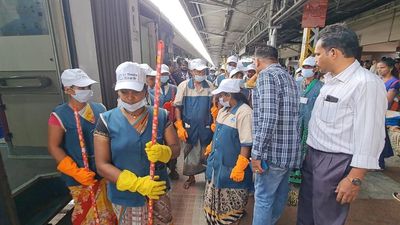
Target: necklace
column 133, row 113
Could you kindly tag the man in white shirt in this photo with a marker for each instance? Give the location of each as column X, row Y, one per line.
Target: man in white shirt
column 346, row 130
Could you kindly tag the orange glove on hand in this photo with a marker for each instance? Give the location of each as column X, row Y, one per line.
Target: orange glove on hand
column 237, row 173
column 158, row 152
column 213, row 126
column 208, row 149
column 182, row 134
column 82, row 175
column 252, row 82
column 214, row 112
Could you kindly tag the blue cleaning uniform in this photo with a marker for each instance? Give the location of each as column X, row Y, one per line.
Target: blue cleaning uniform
column 70, row 142
column 167, row 93
column 127, row 152
column 233, row 131
column 195, row 108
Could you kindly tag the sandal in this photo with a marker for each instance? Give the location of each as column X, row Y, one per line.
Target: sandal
column 189, row 182
column 396, row 196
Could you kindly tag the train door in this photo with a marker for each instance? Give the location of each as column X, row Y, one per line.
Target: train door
column 31, row 56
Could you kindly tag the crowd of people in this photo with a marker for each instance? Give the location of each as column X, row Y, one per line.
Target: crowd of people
column 246, row 128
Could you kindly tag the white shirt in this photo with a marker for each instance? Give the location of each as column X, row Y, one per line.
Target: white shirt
column 349, row 116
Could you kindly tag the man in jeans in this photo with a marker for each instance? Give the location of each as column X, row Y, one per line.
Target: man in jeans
column 276, row 143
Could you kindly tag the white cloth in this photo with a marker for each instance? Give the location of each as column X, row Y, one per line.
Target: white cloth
column 355, row 124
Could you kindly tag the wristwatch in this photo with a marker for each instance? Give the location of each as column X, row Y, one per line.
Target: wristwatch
column 355, row 181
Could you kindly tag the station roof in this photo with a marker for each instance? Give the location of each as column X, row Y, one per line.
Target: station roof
column 226, row 26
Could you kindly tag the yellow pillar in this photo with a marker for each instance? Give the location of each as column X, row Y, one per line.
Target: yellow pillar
column 310, row 37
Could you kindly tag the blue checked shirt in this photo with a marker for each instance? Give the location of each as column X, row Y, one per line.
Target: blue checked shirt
column 276, row 130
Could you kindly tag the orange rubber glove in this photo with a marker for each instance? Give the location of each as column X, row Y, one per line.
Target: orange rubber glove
column 208, row 149
column 213, row 126
column 237, row 173
column 214, row 112
column 128, row 181
column 82, row 175
column 158, row 152
column 182, row 133
column 252, row 82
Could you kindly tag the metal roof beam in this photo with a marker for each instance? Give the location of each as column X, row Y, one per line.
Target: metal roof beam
column 200, row 2
column 211, row 33
column 207, row 13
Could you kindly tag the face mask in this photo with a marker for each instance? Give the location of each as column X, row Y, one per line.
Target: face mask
column 199, row 78
column 224, row 104
column 230, row 68
column 83, row 96
column 307, row 73
column 164, row 79
column 132, row 107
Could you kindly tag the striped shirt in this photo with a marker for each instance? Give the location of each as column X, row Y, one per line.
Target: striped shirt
column 349, row 116
column 276, row 130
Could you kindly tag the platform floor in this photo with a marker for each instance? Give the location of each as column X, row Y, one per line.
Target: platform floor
column 375, row 205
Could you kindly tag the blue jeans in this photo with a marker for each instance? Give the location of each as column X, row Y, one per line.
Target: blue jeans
column 272, row 188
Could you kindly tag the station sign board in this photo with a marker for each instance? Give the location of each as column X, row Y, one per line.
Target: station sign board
column 314, row 14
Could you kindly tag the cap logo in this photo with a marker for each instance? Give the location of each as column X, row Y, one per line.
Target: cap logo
column 128, row 77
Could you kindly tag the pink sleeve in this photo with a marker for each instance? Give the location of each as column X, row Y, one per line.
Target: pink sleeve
column 53, row 120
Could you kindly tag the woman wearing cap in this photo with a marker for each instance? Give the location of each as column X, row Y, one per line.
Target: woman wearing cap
column 63, row 145
column 167, row 91
column 250, row 71
column 124, row 151
column 150, row 81
column 309, row 87
column 193, row 119
column 228, row 176
column 239, row 75
column 167, row 96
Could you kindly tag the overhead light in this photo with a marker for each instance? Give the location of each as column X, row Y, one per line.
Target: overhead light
column 174, row 12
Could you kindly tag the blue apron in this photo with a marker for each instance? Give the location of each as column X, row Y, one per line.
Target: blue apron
column 196, row 115
column 127, row 152
column 70, row 142
column 226, row 147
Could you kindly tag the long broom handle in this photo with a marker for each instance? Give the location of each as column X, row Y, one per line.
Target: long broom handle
column 160, row 54
column 86, row 163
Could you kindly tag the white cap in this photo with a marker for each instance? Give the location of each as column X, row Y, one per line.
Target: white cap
column 228, row 86
column 197, row 64
column 233, row 72
column 76, row 77
column 232, row 58
column 310, row 61
column 164, row 69
column 251, row 67
column 153, row 73
column 130, row 76
column 146, row 68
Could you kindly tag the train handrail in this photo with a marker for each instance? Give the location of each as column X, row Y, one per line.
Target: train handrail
column 43, row 82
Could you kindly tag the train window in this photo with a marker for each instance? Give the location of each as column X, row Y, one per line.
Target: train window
column 22, row 17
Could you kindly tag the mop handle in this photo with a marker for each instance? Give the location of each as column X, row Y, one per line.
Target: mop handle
column 86, row 163
column 160, row 52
